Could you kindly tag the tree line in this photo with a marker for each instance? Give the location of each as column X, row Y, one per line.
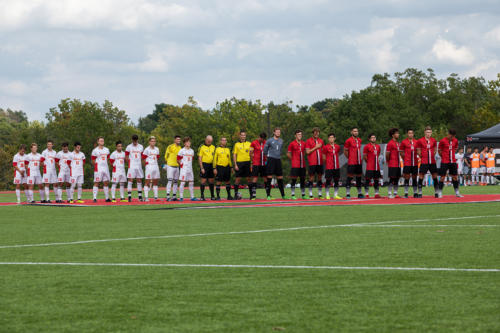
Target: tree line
column 407, row 100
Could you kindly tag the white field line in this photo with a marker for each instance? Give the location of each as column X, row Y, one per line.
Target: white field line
column 446, row 269
column 243, row 232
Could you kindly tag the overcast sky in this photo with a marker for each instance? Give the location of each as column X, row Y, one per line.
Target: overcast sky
column 140, row 52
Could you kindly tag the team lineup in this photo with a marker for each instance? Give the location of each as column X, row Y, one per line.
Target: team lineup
column 312, row 161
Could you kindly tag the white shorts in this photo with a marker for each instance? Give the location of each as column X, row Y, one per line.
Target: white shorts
column 135, row 173
column 18, row 179
column 172, row 173
column 186, row 176
column 64, row 176
column 474, row 171
column 482, row 170
column 119, row 177
column 77, row 179
column 460, row 171
column 50, row 177
column 34, row 180
column 101, row 176
column 490, row 170
column 152, row 172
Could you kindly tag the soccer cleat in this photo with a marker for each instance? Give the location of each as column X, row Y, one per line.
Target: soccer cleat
column 174, row 199
column 294, row 197
column 80, row 201
column 311, row 197
column 113, row 200
column 129, row 199
column 33, row 202
column 397, row 196
column 218, row 199
column 390, row 196
column 167, row 199
column 304, row 197
column 367, row 196
column 203, row 199
column 320, row 197
column 415, row 195
column 327, row 197
column 458, row 195
column 212, row 198
column 337, row 197
column 436, row 195
column 253, row 197
column 377, row 196
column 406, row 195
column 108, row 200
column 269, row 198
column 181, row 199
column 43, row 201
column 195, row 199
column 348, row 196
column 18, row 202
column 361, row 196
column 440, row 195
column 95, row 200
column 285, row 197
column 230, row 198
column 48, row 201
column 145, row 200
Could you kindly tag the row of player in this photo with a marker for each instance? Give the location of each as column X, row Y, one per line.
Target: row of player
column 250, row 160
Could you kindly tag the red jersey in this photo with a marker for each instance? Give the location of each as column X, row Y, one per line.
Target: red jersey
column 428, row 148
column 372, row 152
column 298, row 151
column 331, row 153
column 314, row 158
column 409, row 147
column 353, row 146
column 393, row 149
column 259, row 158
column 448, row 149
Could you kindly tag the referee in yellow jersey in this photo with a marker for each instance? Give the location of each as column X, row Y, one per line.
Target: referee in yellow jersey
column 172, row 167
column 242, row 166
column 222, row 168
column 206, row 158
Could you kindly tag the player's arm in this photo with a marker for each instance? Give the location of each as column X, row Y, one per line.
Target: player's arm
column 16, row 167
column 388, row 152
column 179, row 159
column 440, row 149
column 289, row 152
column 365, row 154
column 144, row 156
column 346, row 150
column 402, row 151
column 200, row 160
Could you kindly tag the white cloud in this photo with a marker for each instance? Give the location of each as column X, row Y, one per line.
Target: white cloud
column 446, row 51
column 155, row 63
column 375, row 49
column 494, row 35
column 219, row 47
column 14, row 88
column 483, row 68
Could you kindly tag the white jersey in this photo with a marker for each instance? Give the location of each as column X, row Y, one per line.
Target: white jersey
column 19, row 161
column 134, row 154
column 100, row 158
column 460, row 160
column 151, row 156
column 77, row 162
column 49, row 161
column 186, row 161
column 117, row 160
column 33, row 164
column 62, row 159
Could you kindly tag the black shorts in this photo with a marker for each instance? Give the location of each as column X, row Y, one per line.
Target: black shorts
column 372, row 174
column 315, row 170
column 274, row 167
column 259, row 171
column 394, row 172
column 332, row 173
column 427, row 167
column 244, row 169
column 209, row 171
column 451, row 167
column 355, row 169
column 223, row 173
column 298, row 172
column 410, row 170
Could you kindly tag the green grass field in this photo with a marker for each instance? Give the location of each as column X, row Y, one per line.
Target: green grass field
column 263, row 295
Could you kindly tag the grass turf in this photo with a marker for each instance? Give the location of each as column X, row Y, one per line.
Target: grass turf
column 187, row 299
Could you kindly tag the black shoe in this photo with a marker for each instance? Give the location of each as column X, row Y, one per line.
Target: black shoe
column 48, row 201
column 108, row 200
column 95, row 200
column 348, row 196
column 140, row 198
column 415, row 195
column 406, row 195
column 212, row 198
column 203, row 199
column 43, row 201
column 33, row 201
column 420, row 196
column 129, row 199
column 230, row 198
column 217, row 199
column 361, row 196
column 436, row 195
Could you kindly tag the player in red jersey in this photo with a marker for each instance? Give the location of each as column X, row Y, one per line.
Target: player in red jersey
column 313, row 151
column 297, row 153
column 409, row 155
column 330, row 152
column 392, row 157
column 426, row 149
column 371, row 153
column 352, row 150
column 446, row 149
column 258, row 162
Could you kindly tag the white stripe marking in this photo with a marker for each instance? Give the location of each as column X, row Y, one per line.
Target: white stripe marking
column 243, row 232
column 257, row 266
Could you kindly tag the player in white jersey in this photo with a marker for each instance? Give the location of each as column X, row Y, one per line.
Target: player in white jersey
column 18, row 162
column 150, row 155
column 118, row 176
column 460, row 165
column 63, row 178
column 32, row 162
column 133, row 155
column 49, row 170
column 185, row 157
column 100, row 156
column 76, row 163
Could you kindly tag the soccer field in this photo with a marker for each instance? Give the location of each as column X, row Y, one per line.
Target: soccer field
column 298, row 269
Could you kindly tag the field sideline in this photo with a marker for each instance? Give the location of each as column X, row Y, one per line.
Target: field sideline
column 297, row 269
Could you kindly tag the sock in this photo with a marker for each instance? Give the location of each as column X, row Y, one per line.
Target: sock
column 191, row 189
column 236, row 188
column 59, row 192
column 217, row 189
column 436, row 185
column 106, row 191
column 327, row 186
column 174, row 189
column 68, row 193
column 42, row 193
column 29, row 195
column 129, row 189
column 113, row 191
column 320, row 187
column 139, row 189
column 376, row 185
column 202, row 190
column 250, row 189
column 367, row 182
column 310, row 188
column 303, row 185
column 169, row 187
column 254, row 189
column 389, row 188
column 122, row 190
column 72, row 191
column 396, row 186
column 18, row 195
column 95, row 190
column 441, row 185
column 47, row 192
column 293, row 182
column 358, row 184
column 155, row 191
column 414, row 183
column 280, row 186
column 181, row 190
column 228, row 190
column 348, row 185
column 146, row 191
column 268, row 187
column 211, row 187
column 407, row 185
column 455, row 186
column 79, row 194
column 420, row 181
column 336, row 186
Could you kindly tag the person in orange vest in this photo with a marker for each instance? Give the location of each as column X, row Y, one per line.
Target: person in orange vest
column 475, row 164
column 490, row 167
column 482, row 165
